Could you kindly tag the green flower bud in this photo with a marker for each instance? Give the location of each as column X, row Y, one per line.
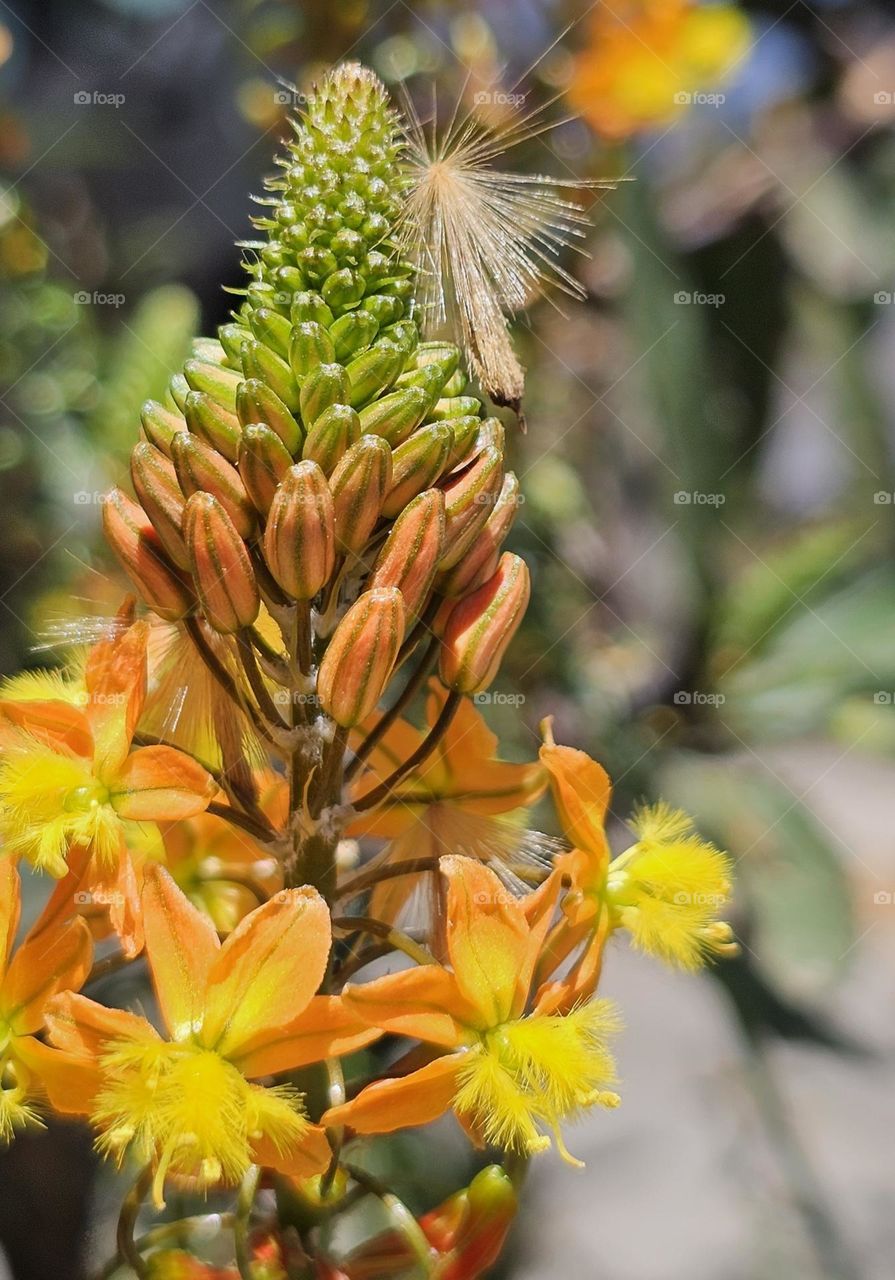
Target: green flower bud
column 374, row 371
column 325, row 385
column 396, row 415
column 213, row 424
column 384, row 307
column 416, row 464
column 160, row 425
column 255, row 403
column 333, row 433
column 343, row 289
column 260, row 362
column 178, row 390
column 456, row 407
column 233, row 337
column 353, row 332
column 310, row 306
column 218, row 383
column 465, row 431
column 309, row 346
column 272, row 329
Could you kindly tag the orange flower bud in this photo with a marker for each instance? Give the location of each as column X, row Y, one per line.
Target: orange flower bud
column 215, row 425
column 469, row 498
column 359, row 485
column 299, row 540
column 263, row 461
column 481, row 626
column 155, row 484
column 201, row 468
column 331, row 435
column 480, row 561
column 135, row 542
column 160, row 425
column 412, row 550
column 361, row 654
column 471, row 1227
column 220, row 565
column 416, row 464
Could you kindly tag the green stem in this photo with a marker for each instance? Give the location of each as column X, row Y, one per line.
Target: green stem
column 128, row 1249
column 416, row 758
column 242, row 1221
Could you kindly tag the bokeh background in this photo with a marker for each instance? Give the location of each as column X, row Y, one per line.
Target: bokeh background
column 709, row 516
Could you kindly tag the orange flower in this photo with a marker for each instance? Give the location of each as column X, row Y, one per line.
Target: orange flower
column 74, row 794
column 233, row 1012
column 48, row 961
column 509, row 1072
column 458, row 801
column 646, row 59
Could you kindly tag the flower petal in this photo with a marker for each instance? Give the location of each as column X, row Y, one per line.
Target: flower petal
column 161, row 784
column 311, row 1156
column 82, row 1027
column 52, row 722
column 10, row 909
column 70, row 1082
column 51, row 962
column 581, row 792
column 268, row 969
column 116, row 689
column 181, row 946
column 487, row 937
column 424, row 1003
column 327, row 1028
column 403, row 1102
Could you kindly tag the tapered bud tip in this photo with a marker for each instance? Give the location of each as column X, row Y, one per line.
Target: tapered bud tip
column 481, row 626
column 361, row 655
column 139, row 550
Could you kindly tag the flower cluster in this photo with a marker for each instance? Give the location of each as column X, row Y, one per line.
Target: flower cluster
column 316, row 539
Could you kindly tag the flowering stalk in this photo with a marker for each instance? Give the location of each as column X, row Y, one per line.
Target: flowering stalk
column 321, row 507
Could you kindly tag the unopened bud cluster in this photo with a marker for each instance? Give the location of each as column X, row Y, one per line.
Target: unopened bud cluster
column 317, row 451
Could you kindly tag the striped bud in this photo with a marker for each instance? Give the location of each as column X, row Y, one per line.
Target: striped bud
column 384, row 307
column 299, row 540
column 417, row 464
column 361, row 655
column 213, row 424
column 455, row 407
column 216, row 381
column 260, row 362
column 324, row 386
column 220, row 565
column 429, row 378
column 342, row 289
column 404, row 334
column 353, row 332
column 199, row 467
column 374, row 371
column 465, row 431
column 208, row 349
column 272, row 329
column 331, row 436
column 410, row 556
column 481, row 560
column 491, row 432
column 232, row 338
column 178, row 390
column 359, row 485
column 160, row 425
column 256, row 403
column 156, row 486
column 396, row 415
column 481, row 626
column 137, row 546
column 310, row 306
column 263, row 461
column 444, row 354
column 309, row 346
column 456, row 383
column 469, row 497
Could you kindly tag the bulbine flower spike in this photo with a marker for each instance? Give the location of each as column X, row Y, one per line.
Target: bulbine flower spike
column 284, row 771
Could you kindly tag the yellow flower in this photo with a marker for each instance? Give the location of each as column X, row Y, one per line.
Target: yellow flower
column 188, row 1105
column 647, row 58
column 668, row 889
column 512, row 1068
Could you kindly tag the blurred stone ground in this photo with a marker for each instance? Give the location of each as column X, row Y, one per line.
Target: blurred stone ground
column 683, row 1182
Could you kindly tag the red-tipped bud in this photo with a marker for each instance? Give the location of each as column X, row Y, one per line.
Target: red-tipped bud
column 410, row 556
column 156, row 486
column 299, row 540
column 469, row 498
column 202, row 469
column 135, row 542
column 220, row 564
column 359, row 485
column 480, row 561
column 482, row 625
column 331, row 436
column 263, row 461
column 361, row 655
column 417, row 463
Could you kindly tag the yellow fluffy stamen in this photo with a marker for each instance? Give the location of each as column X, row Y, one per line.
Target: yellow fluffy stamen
column 190, row 1113
column 668, row 889
column 536, row 1072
